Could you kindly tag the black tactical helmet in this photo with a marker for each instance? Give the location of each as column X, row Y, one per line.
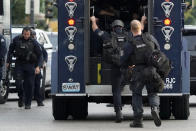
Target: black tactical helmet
column 33, row 32
column 117, row 23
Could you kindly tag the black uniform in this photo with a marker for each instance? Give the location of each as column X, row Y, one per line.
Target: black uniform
column 28, row 56
column 3, row 51
column 116, row 75
column 143, row 75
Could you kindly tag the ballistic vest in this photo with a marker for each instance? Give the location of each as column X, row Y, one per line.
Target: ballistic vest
column 143, row 48
column 113, row 50
column 24, row 49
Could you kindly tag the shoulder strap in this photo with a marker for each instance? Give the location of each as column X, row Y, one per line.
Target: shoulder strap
column 147, row 38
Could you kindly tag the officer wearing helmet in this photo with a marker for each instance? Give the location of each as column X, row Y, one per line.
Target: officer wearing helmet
column 27, row 64
column 115, row 39
column 38, row 94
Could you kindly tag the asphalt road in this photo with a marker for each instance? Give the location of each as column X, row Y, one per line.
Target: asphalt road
column 100, row 118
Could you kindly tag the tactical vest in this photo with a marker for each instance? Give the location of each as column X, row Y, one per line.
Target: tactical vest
column 113, row 49
column 24, row 50
column 143, row 48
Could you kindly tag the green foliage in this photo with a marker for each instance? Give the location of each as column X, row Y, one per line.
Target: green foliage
column 18, row 12
column 20, row 18
column 190, row 15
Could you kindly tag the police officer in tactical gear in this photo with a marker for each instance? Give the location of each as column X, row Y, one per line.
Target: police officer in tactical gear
column 3, row 51
column 27, row 64
column 38, row 94
column 143, row 75
column 116, row 75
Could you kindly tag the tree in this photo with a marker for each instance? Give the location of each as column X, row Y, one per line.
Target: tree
column 18, row 12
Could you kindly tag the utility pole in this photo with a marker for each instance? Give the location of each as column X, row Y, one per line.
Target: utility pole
column 32, row 13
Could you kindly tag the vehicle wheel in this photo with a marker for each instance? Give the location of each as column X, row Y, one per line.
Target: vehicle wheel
column 43, row 81
column 4, row 90
column 59, row 108
column 79, row 108
column 180, row 107
column 165, row 108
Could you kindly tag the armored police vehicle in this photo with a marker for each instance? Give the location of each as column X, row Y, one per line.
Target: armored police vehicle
column 79, row 75
column 6, row 32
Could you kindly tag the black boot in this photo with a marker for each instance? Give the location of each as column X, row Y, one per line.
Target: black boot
column 119, row 116
column 137, row 123
column 155, row 116
column 20, row 103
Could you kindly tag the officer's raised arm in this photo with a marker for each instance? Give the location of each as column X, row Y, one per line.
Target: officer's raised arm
column 94, row 23
column 102, row 34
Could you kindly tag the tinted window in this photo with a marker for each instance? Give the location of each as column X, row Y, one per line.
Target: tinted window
column 191, row 40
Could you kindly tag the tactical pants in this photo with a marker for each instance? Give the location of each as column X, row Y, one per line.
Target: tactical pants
column 25, row 75
column 38, row 95
column 137, row 84
column 116, row 88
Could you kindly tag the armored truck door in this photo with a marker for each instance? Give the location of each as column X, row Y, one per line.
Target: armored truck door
column 71, row 46
column 167, row 25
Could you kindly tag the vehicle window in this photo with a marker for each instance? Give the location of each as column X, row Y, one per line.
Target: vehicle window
column 191, row 40
column 14, row 35
column 42, row 39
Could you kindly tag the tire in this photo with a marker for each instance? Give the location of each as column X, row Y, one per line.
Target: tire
column 180, row 107
column 59, row 108
column 165, row 108
column 4, row 91
column 79, row 108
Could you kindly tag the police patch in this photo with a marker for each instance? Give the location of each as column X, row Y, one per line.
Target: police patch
column 141, row 45
column 100, row 33
column 2, row 40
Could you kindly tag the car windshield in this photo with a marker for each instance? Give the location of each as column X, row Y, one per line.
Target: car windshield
column 15, row 34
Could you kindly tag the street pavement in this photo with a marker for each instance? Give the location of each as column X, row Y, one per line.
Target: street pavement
column 100, row 118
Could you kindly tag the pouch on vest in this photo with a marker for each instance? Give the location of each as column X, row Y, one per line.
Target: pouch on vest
column 24, row 50
column 113, row 51
column 143, row 47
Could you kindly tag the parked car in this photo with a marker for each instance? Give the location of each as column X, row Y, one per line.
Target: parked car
column 189, row 35
column 9, row 83
column 53, row 36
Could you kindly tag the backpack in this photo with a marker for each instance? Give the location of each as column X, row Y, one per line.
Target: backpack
column 113, row 49
column 145, row 53
column 162, row 63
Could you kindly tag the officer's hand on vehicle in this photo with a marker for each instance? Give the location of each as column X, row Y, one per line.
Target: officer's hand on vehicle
column 143, row 19
column 37, row 70
column 93, row 18
column 94, row 24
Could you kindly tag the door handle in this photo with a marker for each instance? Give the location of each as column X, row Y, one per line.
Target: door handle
column 157, row 22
